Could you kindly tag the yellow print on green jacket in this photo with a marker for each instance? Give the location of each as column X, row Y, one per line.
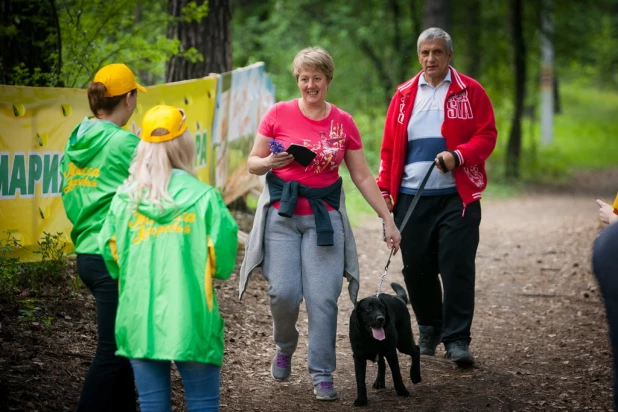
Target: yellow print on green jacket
column 80, row 176
column 145, row 227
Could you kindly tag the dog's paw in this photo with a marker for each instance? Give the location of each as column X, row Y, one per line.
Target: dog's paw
column 360, row 402
column 402, row 391
column 416, row 378
column 379, row 384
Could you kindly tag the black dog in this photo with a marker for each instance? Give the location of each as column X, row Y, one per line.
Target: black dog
column 379, row 326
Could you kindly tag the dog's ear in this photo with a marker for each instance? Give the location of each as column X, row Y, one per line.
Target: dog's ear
column 387, row 318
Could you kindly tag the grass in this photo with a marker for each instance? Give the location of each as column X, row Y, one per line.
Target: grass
column 584, row 136
column 586, row 133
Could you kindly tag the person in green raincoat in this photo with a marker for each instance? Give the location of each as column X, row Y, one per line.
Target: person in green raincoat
column 96, row 162
column 166, row 237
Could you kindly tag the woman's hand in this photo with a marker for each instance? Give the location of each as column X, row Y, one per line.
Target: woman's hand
column 606, row 212
column 392, row 235
column 279, row 160
column 261, row 160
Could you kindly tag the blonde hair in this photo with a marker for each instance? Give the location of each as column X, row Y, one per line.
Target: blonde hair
column 151, row 170
column 314, row 58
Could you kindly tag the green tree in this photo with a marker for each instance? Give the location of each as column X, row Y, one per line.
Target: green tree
column 100, row 32
column 31, row 52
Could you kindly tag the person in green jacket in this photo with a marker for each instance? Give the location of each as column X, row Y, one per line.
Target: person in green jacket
column 96, row 162
column 166, row 237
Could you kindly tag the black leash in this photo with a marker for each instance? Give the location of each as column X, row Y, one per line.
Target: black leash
column 408, row 214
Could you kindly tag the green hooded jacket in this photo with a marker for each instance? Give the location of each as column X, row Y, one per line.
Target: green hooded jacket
column 96, row 162
column 165, row 259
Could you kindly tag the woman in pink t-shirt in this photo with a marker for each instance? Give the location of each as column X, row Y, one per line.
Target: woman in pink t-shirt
column 302, row 237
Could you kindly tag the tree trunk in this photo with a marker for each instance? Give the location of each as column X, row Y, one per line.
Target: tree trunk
column 211, row 37
column 437, row 13
column 513, row 153
column 35, row 48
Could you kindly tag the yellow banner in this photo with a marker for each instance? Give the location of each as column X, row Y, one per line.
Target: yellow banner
column 35, row 124
column 243, row 99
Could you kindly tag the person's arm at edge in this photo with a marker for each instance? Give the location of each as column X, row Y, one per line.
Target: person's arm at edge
column 386, row 152
column 606, row 212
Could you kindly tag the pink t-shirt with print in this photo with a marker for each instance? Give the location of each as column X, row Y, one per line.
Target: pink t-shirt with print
column 329, row 138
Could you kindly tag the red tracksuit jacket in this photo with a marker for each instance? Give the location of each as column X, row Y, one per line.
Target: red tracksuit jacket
column 469, row 129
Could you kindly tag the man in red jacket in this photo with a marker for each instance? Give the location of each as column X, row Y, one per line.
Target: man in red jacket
column 439, row 113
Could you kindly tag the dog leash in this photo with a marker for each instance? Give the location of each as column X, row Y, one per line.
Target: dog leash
column 407, row 216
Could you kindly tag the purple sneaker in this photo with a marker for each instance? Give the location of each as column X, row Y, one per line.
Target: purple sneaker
column 325, row 391
column 281, row 367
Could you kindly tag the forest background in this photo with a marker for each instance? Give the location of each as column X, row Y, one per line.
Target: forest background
column 62, row 43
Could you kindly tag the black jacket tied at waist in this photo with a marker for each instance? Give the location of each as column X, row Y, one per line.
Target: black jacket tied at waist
column 288, row 192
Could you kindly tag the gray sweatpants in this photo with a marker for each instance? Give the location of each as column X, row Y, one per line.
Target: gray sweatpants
column 296, row 268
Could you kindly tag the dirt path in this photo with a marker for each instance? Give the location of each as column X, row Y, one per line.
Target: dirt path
column 539, row 332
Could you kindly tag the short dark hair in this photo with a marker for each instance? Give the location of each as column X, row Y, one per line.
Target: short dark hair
column 98, row 102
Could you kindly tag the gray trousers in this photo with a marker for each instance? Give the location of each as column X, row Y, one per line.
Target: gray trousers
column 296, row 268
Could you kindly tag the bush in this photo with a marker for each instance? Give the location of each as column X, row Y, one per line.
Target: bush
column 16, row 275
column 10, row 267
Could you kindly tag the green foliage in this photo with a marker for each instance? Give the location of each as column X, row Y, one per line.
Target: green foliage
column 356, row 37
column 31, row 312
column 586, row 35
column 30, row 44
column 47, row 324
column 24, row 76
column 10, row 267
column 100, row 32
column 16, row 275
column 584, row 136
column 194, row 12
column 28, row 310
column 53, row 259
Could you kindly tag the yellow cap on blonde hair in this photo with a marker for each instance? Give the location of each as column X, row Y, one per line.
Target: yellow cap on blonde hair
column 118, row 80
column 169, row 118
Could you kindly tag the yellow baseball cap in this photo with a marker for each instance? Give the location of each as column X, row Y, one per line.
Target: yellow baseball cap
column 169, row 118
column 118, row 80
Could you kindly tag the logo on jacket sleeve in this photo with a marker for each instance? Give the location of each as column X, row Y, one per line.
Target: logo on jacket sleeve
column 458, row 106
column 402, row 106
column 475, row 175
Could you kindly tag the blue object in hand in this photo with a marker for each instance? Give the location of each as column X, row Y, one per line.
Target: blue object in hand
column 276, row 147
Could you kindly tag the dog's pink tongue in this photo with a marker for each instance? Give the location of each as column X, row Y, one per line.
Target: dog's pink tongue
column 378, row 333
